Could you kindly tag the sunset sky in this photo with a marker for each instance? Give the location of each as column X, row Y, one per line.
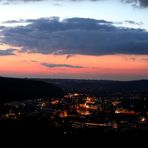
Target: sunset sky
column 80, row 39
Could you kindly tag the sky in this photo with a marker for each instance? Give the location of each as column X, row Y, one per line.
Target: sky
column 76, row 39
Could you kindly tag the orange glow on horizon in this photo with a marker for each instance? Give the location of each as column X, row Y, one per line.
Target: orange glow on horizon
column 108, row 66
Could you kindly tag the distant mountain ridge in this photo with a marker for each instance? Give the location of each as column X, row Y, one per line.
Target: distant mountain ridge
column 17, row 89
column 102, row 87
column 12, row 89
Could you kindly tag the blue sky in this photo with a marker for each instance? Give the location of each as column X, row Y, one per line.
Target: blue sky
column 110, row 10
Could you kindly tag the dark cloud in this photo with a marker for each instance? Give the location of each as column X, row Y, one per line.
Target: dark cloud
column 76, row 36
column 7, row 52
column 60, row 65
column 141, row 3
column 133, row 22
column 69, row 56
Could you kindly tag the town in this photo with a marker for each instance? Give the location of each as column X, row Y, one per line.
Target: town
column 75, row 111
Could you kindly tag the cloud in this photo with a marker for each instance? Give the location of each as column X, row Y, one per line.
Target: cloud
column 7, row 52
column 43, row 0
column 12, row 1
column 57, row 19
column 60, row 65
column 130, row 22
column 7, row 1
column 138, row 3
column 34, row 61
column 2, row 27
column 15, row 21
column 145, row 59
column 135, row 59
column 32, row 20
column 69, row 56
column 133, row 22
column 76, row 36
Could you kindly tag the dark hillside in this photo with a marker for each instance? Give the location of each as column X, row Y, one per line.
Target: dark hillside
column 18, row 89
column 102, row 87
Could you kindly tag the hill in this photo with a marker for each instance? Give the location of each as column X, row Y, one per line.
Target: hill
column 102, row 87
column 18, row 89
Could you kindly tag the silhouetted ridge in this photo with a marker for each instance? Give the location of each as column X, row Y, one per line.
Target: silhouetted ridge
column 102, row 87
column 18, row 89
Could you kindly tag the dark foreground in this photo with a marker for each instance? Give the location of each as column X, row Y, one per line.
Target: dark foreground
column 27, row 133
column 43, row 128
column 113, row 117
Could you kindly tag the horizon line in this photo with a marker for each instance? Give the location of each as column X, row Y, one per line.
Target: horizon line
column 78, row 79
